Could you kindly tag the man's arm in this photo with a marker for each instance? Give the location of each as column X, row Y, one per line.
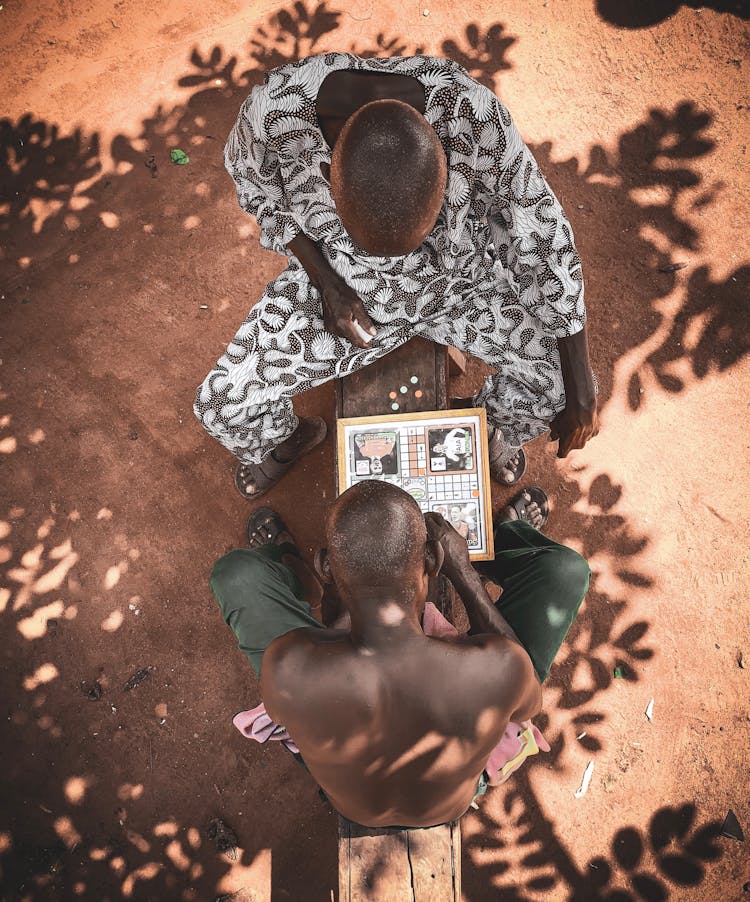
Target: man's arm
column 535, row 242
column 344, row 313
column 518, row 676
column 579, row 421
column 255, row 169
column 483, row 616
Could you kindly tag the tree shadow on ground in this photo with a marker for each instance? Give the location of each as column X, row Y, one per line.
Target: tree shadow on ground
column 69, row 231
column 644, row 13
column 650, row 865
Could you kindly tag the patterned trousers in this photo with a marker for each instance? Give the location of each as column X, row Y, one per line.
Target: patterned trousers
column 283, row 349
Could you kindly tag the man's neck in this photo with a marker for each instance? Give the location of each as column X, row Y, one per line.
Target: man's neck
column 382, row 618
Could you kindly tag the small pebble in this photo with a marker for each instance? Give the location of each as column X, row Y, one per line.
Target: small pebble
column 403, row 389
column 425, row 12
column 203, row 307
column 394, row 406
column 414, row 380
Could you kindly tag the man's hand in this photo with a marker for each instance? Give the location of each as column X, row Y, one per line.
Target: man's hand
column 455, row 549
column 344, row 313
column 579, row 421
column 575, row 425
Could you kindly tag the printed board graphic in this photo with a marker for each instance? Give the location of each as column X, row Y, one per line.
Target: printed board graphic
column 439, row 458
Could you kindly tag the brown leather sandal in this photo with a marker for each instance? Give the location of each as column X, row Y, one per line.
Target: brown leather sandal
column 269, row 471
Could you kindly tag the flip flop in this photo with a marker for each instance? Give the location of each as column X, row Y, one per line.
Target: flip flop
column 495, row 470
column 520, row 505
column 264, row 526
column 269, row 471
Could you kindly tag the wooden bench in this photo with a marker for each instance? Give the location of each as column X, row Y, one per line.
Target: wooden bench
column 401, row 865
column 366, row 392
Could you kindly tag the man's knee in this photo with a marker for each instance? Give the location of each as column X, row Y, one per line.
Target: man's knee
column 234, row 576
column 570, row 572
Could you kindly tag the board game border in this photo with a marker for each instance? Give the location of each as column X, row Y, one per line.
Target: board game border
column 341, row 453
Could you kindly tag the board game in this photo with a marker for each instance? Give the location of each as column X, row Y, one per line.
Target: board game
column 440, row 458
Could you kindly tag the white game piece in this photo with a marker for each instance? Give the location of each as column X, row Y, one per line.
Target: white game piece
column 365, row 336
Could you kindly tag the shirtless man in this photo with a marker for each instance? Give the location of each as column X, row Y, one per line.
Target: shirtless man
column 406, row 203
column 397, row 727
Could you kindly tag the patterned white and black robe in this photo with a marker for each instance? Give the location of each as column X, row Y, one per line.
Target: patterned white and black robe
column 498, row 277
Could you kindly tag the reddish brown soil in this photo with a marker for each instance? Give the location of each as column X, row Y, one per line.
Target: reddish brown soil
column 115, row 504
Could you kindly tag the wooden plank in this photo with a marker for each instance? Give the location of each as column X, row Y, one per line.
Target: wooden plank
column 373, row 864
column 365, row 393
column 378, row 865
column 456, row 362
column 433, row 869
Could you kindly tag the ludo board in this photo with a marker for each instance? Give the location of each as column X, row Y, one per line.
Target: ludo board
column 440, row 458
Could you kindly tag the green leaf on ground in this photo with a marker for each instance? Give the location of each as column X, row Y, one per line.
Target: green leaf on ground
column 619, row 675
column 179, row 157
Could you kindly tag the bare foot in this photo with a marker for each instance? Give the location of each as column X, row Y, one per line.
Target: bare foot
column 511, row 472
column 265, row 527
column 531, row 505
column 253, row 480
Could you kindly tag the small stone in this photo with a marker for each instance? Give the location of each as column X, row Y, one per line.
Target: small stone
column 425, row 12
column 133, row 435
column 203, row 307
column 94, row 692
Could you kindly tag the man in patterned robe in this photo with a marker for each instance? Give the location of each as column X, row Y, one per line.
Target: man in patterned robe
column 407, row 204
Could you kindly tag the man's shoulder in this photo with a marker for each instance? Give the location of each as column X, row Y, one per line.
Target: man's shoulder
column 493, row 658
column 305, row 650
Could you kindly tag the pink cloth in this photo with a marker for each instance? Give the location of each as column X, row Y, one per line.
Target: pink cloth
column 256, row 724
column 519, row 741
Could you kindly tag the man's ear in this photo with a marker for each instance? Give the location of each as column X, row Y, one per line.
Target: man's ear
column 322, row 566
column 433, row 557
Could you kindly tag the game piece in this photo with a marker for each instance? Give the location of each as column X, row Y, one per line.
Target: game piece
column 440, row 458
column 418, row 393
column 403, row 389
column 414, row 380
column 365, row 336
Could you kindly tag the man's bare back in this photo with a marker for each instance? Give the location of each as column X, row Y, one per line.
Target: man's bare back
column 397, row 727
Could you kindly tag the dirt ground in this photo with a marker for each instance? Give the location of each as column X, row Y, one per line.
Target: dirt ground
column 120, row 289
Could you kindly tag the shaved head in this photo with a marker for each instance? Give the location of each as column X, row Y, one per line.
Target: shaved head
column 388, row 177
column 376, row 533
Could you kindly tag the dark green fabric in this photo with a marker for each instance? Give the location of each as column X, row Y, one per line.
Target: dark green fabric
column 260, row 598
column 543, row 586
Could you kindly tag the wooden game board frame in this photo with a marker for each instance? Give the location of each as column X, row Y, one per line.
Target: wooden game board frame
column 381, row 423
